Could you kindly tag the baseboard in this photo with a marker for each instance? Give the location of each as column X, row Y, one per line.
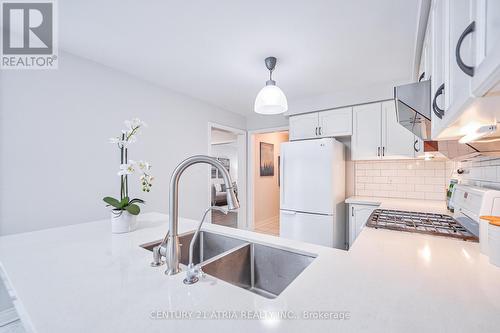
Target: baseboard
column 8, row 316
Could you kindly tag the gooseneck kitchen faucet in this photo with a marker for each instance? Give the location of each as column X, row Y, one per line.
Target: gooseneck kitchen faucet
column 169, row 247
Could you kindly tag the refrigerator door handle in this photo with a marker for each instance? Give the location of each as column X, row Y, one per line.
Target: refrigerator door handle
column 282, row 180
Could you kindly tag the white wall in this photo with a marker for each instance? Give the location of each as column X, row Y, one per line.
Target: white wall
column 257, row 121
column 338, row 99
column 55, row 161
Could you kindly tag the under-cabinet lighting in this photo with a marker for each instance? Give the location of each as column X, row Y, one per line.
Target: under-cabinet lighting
column 478, row 133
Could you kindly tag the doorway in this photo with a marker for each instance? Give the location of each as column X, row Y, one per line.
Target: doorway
column 228, row 145
column 264, row 179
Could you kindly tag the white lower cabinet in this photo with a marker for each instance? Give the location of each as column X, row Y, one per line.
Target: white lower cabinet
column 358, row 216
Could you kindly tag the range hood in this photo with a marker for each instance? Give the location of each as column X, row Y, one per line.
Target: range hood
column 413, row 107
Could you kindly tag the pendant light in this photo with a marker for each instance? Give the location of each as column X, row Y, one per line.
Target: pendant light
column 270, row 99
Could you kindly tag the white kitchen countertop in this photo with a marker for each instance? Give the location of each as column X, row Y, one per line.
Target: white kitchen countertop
column 411, row 205
column 81, row 278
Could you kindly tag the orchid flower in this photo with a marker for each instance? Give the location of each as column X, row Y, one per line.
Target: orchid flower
column 126, row 169
column 143, row 165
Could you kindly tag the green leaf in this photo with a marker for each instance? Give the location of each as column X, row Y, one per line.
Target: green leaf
column 133, row 209
column 124, row 202
column 136, row 200
column 112, row 202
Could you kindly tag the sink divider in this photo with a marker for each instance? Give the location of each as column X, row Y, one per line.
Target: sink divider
column 223, row 254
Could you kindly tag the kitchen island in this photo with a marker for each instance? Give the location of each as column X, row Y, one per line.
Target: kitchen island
column 82, row 278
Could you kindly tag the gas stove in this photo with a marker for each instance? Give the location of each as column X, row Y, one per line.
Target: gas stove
column 424, row 223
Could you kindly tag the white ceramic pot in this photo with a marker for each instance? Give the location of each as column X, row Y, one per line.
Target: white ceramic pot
column 125, row 222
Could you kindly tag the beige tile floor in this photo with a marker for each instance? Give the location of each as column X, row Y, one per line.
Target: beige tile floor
column 270, row 227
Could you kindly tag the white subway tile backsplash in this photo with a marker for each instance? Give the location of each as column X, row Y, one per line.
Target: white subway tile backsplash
column 435, row 196
column 425, row 173
column 483, row 171
column 424, row 188
column 403, row 179
column 387, row 172
column 373, row 172
column 415, row 195
column 364, row 179
column 415, row 180
column 380, row 180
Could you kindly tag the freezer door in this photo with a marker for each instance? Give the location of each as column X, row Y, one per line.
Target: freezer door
column 310, row 228
column 310, row 181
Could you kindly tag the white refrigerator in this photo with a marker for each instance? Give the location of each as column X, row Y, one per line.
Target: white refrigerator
column 312, row 192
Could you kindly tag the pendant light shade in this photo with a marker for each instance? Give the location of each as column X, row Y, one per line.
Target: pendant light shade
column 270, row 99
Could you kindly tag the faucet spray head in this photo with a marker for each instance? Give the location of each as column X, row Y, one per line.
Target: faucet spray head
column 232, row 200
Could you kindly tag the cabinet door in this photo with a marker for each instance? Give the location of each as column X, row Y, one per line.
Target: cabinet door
column 418, row 146
column 459, row 82
column 358, row 216
column 304, row 126
column 487, row 60
column 361, row 215
column 439, row 35
column 336, row 122
column 397, row 141
column 367, row 132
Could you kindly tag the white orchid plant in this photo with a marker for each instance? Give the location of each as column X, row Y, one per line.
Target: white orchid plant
column 128, row 168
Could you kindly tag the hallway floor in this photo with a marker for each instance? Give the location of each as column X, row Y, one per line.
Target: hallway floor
column 270, row 227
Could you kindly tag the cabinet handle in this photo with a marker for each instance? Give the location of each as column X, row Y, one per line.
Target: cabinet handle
column 469, row 70
column 415, row 146
column 383, row 151
column 316, row 131
column 421, row 77
column 320, row 130
column 352, row 211
column 378, row 151
column 437, row 111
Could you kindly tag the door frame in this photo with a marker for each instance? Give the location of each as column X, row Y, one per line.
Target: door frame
column 251, row 171
column 242, row 171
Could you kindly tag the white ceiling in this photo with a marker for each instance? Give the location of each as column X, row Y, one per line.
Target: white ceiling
column 214, row 50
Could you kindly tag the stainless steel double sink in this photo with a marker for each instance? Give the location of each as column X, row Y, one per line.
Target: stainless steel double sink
column 261, row 269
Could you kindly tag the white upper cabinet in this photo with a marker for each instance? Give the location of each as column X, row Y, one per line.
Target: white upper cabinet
column 377, row 133
column 336, row 122
column 465, row 65
column 304, row 126
column 438, row 34
column 330, row 123
column 397, row 141
column 367, row 132
column 487, row 52
column 460, row 56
